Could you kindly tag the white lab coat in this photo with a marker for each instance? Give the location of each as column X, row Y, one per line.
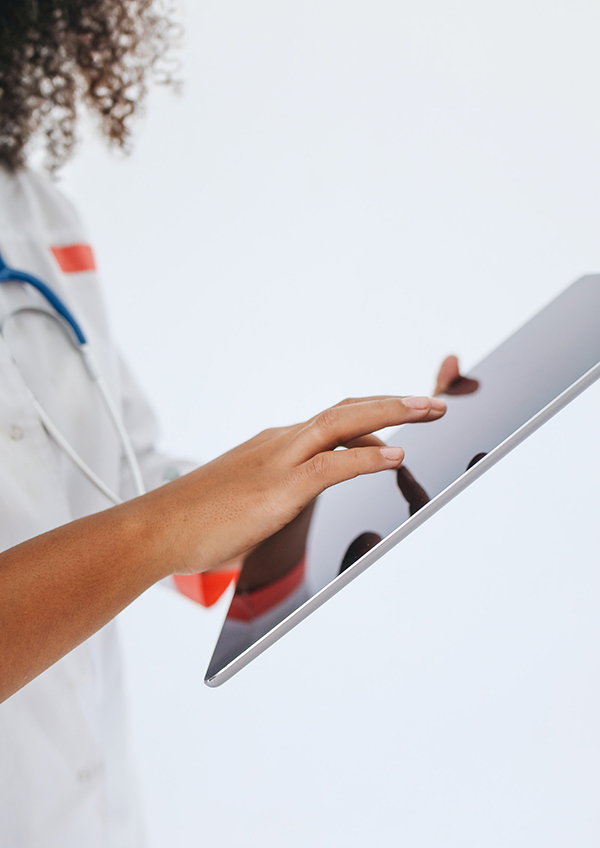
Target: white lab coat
column 65, row 776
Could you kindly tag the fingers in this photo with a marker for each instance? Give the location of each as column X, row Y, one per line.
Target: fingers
column 369, row 440
column 365, row 442
column 331, row 467
column 448, row 372
column 340, row 425
column 349, row 401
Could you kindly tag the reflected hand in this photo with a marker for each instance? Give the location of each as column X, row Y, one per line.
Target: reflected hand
column 451, row 382
column 277, row 555
column 231, row 504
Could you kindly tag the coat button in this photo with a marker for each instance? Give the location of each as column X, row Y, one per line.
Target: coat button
column 16, row 433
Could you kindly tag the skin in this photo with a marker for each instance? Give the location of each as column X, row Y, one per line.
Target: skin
column 281, row 553
column 58, row 589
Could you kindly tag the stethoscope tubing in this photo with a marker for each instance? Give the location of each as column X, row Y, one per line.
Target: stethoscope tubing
column 80, row 343
column 9, row 275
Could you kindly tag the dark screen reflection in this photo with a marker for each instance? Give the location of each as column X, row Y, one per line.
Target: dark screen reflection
column 358, row 548
column 475, row 460
column 462, row 386
column 415, row 494
column 277, row 556
column 503, row 392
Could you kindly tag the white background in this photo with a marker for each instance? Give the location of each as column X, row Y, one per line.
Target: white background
column 344, row 193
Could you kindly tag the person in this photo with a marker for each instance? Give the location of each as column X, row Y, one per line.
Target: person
column 70, row 560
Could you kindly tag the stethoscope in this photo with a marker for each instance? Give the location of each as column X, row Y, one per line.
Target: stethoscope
column 64, row 318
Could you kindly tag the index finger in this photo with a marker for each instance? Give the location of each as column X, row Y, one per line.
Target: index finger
column 339, row 425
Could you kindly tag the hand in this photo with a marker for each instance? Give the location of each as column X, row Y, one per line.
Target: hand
column 274, row 557
column 280, row 553
column 231, row 504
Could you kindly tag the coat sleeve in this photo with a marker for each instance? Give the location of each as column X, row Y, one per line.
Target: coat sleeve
column 158, row 468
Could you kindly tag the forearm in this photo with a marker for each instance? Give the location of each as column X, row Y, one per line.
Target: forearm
column 58, row 589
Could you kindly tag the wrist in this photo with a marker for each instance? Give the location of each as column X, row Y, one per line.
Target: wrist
column 151, row 538
column 169, row 529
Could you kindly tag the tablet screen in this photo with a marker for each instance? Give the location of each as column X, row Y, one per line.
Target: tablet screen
column 517, row 380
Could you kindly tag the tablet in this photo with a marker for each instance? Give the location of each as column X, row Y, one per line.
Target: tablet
column 501, row 401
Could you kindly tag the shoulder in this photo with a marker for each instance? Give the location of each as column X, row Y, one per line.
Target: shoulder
column 31, row 201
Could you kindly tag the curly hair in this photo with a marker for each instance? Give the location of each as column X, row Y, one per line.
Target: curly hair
column 58, row 54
